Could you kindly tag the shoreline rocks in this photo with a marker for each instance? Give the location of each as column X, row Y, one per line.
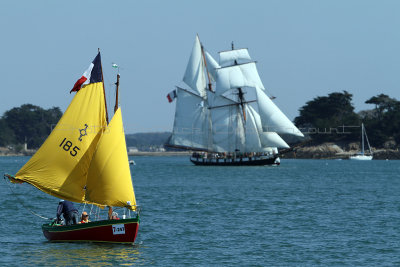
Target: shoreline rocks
column 338, row 151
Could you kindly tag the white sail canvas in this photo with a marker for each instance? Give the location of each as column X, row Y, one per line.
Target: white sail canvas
column 229, row 57
column 191, row 125
column 272, row 118
column 238, row 76
column 194, row 75
column 212, row 66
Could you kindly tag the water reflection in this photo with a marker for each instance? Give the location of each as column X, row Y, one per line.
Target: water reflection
column 88, row 254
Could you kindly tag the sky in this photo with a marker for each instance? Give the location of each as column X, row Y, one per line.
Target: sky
column 303, row 49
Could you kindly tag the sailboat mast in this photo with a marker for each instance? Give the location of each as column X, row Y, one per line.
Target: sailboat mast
column 116, row 94
column 362, row 138
column 104, row 90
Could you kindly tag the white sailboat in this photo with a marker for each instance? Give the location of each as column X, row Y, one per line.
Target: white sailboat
column 234, row 124
column 362, row 155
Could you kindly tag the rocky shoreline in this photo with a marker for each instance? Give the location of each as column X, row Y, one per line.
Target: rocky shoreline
column 335, row 151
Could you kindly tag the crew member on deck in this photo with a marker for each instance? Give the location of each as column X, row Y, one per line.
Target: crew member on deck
column 85, row 217
column 69, row 212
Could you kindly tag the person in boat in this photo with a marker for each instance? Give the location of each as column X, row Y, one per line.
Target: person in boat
column 69, row 212
column 84, row 217
column 114, row 216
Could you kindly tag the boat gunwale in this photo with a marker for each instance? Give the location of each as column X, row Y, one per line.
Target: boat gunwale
column 83, row 226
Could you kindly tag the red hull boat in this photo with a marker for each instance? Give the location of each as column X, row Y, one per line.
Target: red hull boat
column 109, row 231
column 84, row 160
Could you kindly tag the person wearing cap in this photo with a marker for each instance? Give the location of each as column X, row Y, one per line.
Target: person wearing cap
column 85, row 217
column 69, row 212
column 114, row 216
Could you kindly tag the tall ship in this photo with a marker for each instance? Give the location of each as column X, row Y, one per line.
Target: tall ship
column 223, row 113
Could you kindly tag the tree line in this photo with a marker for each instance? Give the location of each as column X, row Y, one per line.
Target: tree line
column 27, row 124
column 328, row 118
column 322, row 114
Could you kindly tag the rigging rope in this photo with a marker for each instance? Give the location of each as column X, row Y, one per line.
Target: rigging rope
column 21, row 203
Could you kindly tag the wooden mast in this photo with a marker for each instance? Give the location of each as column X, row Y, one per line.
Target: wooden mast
column 104, row 90
column 240, row 94
column 116, row 94
column 205, row 63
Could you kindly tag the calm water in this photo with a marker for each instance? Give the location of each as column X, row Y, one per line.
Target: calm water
column 304, row 212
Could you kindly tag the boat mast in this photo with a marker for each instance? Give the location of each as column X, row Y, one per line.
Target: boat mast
column 362, row 138
column 240, row 94
column 104, row 90
column 116, row 94
column 366, row 137
column 205, row 63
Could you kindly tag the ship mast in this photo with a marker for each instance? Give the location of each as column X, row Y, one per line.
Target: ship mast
column 116, row 94
column 104, row 90
column 205, row 63
column 240, row 94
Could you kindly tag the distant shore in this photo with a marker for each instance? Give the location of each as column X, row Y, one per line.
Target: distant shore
column 158, row 154
column 333, row 151
column 7, row 152
column 323, row 151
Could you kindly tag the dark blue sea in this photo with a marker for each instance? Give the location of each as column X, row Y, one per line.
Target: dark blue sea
column 301, row 213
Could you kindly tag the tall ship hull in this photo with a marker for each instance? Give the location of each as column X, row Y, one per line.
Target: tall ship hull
column 236, row 161
column 108, row 231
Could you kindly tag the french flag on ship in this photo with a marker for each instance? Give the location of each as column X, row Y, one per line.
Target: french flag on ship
column 91, row 75
column 171, row 96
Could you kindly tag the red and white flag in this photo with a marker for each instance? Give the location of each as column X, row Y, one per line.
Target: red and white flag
column 91, row 75
column 171, row 96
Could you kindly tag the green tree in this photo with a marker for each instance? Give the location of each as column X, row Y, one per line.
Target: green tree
column 7, row 135
column 386, row 124
column 327, row 112
column 383, row 103
column 31, row 124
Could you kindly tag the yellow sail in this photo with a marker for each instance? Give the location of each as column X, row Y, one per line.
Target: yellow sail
column 109, row 178
column 60, row 166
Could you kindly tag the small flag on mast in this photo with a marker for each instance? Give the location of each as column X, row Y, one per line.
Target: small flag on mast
column 115, row 66
column 171, row 96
